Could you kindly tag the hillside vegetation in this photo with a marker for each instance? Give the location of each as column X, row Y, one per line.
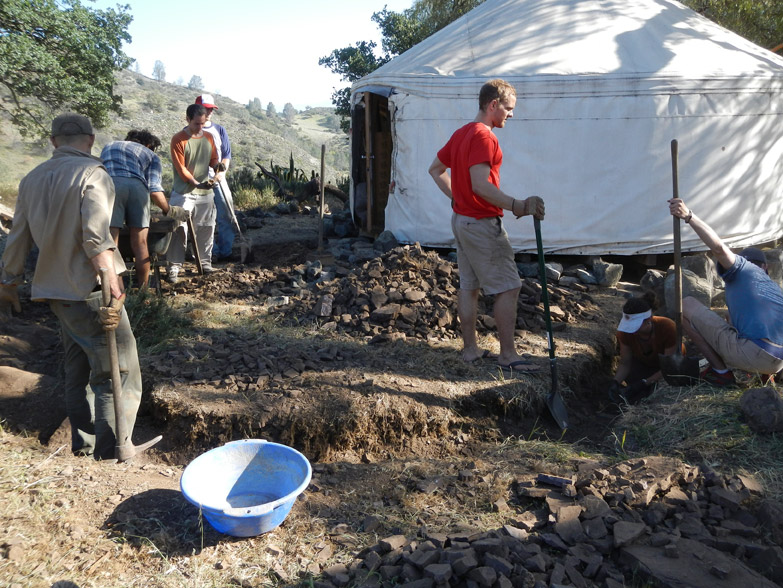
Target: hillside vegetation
column 160, row 108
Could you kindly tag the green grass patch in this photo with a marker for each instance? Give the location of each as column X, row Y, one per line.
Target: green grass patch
column 155, row 322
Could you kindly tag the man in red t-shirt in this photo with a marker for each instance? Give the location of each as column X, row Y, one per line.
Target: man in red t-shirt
column 484, row 253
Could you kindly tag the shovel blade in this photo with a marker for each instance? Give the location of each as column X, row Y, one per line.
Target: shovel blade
column 557, row 409
column 244, row 251
column 554, row 401
column 679, row 370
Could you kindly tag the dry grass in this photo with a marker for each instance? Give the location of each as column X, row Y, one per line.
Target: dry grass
column 702, row 424
column 406, row 482
column 8, row 193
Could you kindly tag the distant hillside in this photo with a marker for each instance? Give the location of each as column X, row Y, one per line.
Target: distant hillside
column 160, row 107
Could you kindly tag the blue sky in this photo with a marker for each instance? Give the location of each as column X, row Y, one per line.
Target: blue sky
column 267, row 49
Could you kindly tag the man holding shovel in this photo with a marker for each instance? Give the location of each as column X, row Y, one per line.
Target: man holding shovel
column 64, row 207
column 753, row 340
column 193, row 155
column 484, row 255
column 224, row 237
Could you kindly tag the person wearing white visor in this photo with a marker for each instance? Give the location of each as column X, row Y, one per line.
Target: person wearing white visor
column 642, row 337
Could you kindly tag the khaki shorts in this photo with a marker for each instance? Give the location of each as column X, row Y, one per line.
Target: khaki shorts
column 131, row 204
column 736, row 352
column 484, row 255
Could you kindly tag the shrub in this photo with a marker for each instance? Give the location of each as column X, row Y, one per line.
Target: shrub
column 155, row 101
column 153, row 320
column 8, row 195
column 344, row 183
column 246, row 198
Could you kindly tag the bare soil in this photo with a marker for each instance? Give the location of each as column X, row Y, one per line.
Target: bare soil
column 384, row 425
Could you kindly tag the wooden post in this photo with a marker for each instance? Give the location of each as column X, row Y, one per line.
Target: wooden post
column 321, row 202
column 368, row 158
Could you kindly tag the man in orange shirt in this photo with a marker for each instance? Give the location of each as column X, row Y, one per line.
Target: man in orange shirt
column 193, row 153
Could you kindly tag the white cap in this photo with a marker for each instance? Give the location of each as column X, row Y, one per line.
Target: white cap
column 207, row 101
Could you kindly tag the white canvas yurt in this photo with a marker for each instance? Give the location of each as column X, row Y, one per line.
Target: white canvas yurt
column 603, row 86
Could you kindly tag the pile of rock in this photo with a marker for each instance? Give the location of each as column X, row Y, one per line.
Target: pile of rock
column 406, row 292
column 655, row 518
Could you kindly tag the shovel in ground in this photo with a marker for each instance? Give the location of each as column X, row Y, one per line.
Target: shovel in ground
column 553, row 401
column 677, row 369
column 244, row 246
column 196, row 253
column 124, row 448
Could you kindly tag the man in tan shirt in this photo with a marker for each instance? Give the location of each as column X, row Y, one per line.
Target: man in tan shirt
column 63, row 207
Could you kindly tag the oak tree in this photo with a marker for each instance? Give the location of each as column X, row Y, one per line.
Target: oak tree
column 58, row 55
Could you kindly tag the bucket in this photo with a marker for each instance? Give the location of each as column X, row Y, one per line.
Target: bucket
column 246, row 488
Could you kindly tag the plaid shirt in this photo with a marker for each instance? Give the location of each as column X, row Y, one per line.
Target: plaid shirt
column 127, row 159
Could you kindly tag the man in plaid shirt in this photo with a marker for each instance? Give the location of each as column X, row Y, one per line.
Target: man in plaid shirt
column 136, row 172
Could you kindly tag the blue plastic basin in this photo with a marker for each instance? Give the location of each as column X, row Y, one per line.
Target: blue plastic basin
column 246, row 488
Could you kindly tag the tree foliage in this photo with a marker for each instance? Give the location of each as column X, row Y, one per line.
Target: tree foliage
column 271, row 110
column 195, row 83
column 159, row 71
column 289, row 112
column 351, row 63
column 255, row 109
column 400, row 31
column 57, row 55
column 760, row 21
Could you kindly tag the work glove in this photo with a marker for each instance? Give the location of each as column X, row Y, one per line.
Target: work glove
column 220, row 173
column 638, row 391
column 109, row 316
column 532, row 206
column 614, row 392
column 178, row 213
column 9, row 299
column 207, row 184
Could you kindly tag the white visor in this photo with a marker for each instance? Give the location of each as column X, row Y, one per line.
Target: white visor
column 630, row 323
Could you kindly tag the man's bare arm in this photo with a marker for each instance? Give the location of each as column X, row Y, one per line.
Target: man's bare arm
column 722, row 253
column 440, row 173
column 479, row 179
column 105, row 259
column 159, row 200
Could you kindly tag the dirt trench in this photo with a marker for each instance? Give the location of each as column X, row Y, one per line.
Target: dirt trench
column 337, row 396
column 330, row 390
